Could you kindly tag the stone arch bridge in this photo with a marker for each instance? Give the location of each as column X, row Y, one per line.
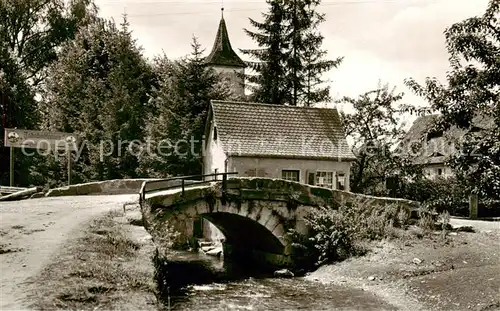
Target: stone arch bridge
column 253, row 213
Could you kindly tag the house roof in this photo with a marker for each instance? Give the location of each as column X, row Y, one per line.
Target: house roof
column 421, row 126
column 222, row 53
column 263, row 130
column 436, row 146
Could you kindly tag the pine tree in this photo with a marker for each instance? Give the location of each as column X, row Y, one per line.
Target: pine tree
column 289, row 63
column 267, row 82
column 305, row 61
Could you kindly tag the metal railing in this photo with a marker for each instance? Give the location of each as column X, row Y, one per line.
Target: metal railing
column 150, row 186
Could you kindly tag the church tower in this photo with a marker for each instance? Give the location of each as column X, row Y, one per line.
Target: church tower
column 225, row 61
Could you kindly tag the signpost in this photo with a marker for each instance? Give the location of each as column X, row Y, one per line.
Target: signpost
column 12, row 167
column 41, row 140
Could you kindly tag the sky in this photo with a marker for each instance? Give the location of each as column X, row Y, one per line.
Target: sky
column 383, row 41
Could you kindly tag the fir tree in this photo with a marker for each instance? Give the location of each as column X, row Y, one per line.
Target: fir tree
column 267, row 82
column 305, row 58
column 315, row 65
column 289, row 62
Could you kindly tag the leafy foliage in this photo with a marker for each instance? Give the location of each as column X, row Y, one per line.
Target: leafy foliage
column 374, row 127
column 100, row 88
column 31, row 32
column 439, row 194
column 472, row 91
column 181, row 105
column 335, row 234
column 289, row 62
column 446, row 195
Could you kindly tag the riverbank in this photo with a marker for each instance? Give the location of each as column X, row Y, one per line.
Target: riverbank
column 107, row 265
column 432, row 272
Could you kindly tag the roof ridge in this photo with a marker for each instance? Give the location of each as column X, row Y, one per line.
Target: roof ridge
column 248, row 128
column 269, row 105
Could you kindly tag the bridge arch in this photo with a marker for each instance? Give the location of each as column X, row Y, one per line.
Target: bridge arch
column 247, row 225
column 253, row 213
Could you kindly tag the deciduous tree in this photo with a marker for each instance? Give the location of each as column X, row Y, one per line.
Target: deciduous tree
column 31, row 32
column 375, row 128
column 100, row 88
column 472, row 91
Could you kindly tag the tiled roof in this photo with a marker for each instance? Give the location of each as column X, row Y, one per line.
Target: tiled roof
column 421, row 127
column 222, row 52
column 439, row 146
column 251, row 129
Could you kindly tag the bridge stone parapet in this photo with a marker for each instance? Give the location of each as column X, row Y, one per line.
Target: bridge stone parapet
column 106, row 187
column 254, row 214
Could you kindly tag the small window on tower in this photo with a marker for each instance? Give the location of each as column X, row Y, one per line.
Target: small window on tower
column 215, row 133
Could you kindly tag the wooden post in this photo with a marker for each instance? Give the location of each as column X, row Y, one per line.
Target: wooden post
column 183, row 187
column 224, row 182
column 473, row 206
column 69, row 167
column 12, row 166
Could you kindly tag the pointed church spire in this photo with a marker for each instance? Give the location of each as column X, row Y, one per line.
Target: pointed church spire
column 222, row 53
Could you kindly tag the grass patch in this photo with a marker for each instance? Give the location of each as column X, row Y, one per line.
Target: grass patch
column 103, row 269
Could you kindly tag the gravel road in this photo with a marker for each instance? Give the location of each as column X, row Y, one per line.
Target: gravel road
column 32, row 232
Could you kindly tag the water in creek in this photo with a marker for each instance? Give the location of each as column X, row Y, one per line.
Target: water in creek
column 228, row 286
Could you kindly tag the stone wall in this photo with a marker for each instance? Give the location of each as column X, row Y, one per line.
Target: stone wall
column 117, row 186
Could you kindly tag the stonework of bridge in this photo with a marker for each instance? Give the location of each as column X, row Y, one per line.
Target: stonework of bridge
column 253, row 214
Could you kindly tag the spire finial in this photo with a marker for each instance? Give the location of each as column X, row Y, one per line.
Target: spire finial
column 222, row 8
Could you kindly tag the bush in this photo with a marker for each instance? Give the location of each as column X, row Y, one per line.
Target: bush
column 335, row 234
column 489, row 208
column 447, row 195
column 440, row 194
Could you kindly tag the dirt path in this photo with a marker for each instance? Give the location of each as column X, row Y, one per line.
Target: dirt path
column 459, row 272
column 478, row 225
column 31, row 233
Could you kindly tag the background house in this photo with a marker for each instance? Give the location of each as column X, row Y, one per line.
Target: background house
column 302, row 144
column 432, row 148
